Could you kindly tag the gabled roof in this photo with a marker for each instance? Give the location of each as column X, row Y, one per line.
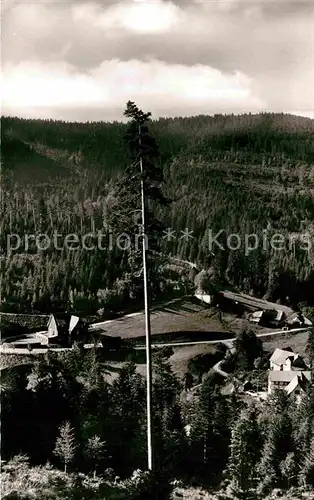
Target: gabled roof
column 279, row 315
column 53, row 323
column 298, row 363
column 295, row 315
column 299, row 317
column 57, row 321
column 257, row 314
column 73, row 323
column 307, row 321
column 300, row 380
column 61, row 324
column 280, row 356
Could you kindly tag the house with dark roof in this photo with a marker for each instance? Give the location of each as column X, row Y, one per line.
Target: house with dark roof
column 62, row 330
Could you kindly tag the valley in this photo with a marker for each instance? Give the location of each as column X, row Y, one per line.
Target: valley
column 219, row 310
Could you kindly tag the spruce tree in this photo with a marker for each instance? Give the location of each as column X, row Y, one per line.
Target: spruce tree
column 267, row 468
column 125, row 213
column 168, row 426
column 289, row 469
column 245, row 451
column 201, row 425
column 306, row 476
column 304, row 423
column 128, row 416
column 277, row 428
column 65, row 444
column 248, row 348
column 209, row 436
column 95, row 449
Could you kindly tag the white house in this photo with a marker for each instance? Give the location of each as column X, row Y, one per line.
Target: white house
column 285, row 360
column 59, row 329
column 293, row 382
column 288, row 371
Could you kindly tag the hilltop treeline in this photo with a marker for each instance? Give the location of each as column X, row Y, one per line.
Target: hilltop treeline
column 224, row 174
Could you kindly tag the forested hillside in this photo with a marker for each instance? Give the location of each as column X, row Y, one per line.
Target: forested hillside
column 235, row 174
column 73, row 419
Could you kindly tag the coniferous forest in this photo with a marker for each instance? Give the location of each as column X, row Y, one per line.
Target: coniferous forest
column 221, row 174
column 72, row 430
column 80, row 436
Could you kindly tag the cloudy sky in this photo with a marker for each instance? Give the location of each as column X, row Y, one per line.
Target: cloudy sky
column 83, row 59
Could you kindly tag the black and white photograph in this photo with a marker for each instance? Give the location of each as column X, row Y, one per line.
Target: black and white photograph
column 157, row 250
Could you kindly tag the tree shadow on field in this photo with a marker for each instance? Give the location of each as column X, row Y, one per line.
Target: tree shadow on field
column 185, row 336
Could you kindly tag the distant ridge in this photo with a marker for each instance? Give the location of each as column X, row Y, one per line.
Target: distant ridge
column 276, row 121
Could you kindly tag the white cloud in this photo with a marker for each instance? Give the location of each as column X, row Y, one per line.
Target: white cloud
column 154, row 85
column 137, row 16
column 34, row 85
column 181, row 57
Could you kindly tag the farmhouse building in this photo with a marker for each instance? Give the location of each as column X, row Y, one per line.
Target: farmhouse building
column 288, row 371
column 268, row 317
column 294, row 382
column 61, row 330
column 285, row 360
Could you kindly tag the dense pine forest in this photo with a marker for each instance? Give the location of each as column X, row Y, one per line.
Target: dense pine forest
column 229, row 174
column 75, row 421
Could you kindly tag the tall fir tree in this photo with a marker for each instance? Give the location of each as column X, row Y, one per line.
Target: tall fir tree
column 245, row 452
column 306, row 475
column 209, row 436
column 168, row 426
column 276, row 424
column 125, row 214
